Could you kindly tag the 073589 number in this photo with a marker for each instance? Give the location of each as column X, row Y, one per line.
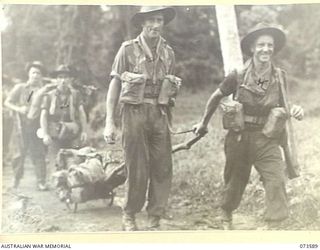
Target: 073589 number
column 308, row 245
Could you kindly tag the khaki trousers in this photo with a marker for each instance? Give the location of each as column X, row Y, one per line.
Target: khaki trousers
column 264, row 153
column 147, row 153
column 29, row 144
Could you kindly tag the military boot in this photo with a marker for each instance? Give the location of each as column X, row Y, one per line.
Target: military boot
column 225, row 215
column 153, row 222
column 225, row 218
column 129, row 222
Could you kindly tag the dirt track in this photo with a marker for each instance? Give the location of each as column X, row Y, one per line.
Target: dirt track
column 28, row 211
column 197, row 185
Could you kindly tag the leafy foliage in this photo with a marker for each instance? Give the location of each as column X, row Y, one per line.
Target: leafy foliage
column 89, row 37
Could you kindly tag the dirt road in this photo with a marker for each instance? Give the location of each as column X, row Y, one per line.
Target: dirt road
column 28, row 210
column 196, row 189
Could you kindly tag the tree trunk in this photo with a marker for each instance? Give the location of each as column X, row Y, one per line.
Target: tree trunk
column 229, row 38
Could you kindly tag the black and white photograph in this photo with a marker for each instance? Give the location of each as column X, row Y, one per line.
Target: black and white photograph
column 121, row 118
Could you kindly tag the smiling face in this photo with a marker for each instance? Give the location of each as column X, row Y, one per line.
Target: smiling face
column 152, row 26
column 263, row 49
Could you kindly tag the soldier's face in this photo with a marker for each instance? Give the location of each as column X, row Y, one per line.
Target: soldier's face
column 63, row 82
column 263, row 48
column 35, row 75
column 152, row 26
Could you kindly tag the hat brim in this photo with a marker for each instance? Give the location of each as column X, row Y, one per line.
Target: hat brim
column 168, row 15
column 277, row 34
column 37, row 66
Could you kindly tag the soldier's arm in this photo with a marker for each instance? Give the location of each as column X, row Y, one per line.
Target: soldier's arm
column 44, row 121
column 44, row 126
column 211, row 106
column 296, row 111
column 11, row 99
column 37, row 100
column 111, row 105
column 112, row 99
column 119, row 66
column 227, row 87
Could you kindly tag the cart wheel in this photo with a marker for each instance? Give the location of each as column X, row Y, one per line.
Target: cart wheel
column 111, row 198
column 75, row 207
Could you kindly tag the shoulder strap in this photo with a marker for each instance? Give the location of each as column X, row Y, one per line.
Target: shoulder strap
column 239, row 78
column 136, row 50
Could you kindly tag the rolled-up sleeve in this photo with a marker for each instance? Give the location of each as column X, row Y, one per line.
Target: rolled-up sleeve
column 120, row 63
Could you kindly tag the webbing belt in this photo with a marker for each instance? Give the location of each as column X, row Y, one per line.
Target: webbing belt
column 259, row 120
column 153, row 101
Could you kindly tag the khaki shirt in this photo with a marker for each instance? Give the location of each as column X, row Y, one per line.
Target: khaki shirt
column 257, row 97
column 60, row 110
column 132, row 57
column 22, row 95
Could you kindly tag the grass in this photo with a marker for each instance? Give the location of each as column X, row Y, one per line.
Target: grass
column 198, row 172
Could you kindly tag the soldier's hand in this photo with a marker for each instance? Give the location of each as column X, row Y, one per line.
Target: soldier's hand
column 83, row 137
column 46, row 139
column 50, row 86
column 46, row 88
column 297, row 112
column 109, row 133
column 200, row 129
column 23, row 110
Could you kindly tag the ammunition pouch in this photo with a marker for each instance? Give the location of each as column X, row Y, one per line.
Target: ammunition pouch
column 275, row 123
column 135, row 88
column 132, row 88
column 169, row 89
column 233, row 117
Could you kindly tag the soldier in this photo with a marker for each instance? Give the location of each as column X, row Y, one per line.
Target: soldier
column 63, row 119
column 19, row 100
column 256, row 89
column 87, row 92
column 139, row 73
